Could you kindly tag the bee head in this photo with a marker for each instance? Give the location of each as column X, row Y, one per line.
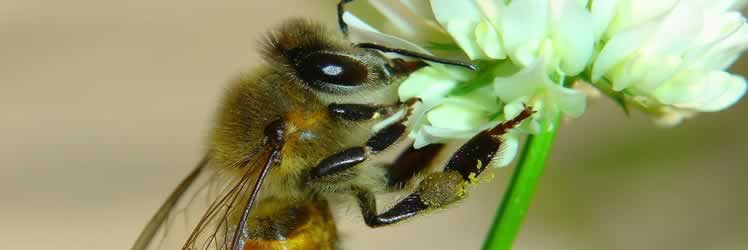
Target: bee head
column 322, row 60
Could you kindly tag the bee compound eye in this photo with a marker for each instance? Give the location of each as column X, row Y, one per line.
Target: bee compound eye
column 327, row 68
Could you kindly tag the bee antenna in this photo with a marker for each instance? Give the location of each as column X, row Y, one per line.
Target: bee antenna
column 418, row 55
column 344, row 29
column 341, row 23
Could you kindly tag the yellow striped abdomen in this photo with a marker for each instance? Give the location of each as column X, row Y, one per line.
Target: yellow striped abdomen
column 289, row 225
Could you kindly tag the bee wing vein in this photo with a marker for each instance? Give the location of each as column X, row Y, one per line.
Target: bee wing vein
column 206, row 193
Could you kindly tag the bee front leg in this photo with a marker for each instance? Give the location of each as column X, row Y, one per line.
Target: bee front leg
column 387, row 136
column 366, row 112
column 351, row 157
column 440, row 189
column 359, row 112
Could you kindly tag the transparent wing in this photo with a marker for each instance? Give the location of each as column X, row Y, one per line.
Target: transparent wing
column 204, row 210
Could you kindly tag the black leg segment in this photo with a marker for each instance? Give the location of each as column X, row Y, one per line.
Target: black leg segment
column 351, row 157
column 367, row 112
column 338, row 162
column 359, row 112
column 410, row 163
column 405, row 209
column 439, row 189
column 385, row 137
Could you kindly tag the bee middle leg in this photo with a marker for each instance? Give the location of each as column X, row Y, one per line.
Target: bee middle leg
column 440, row 189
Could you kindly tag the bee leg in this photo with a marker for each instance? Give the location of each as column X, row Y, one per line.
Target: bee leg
column 367, row 112
column 410, row 163
column 381, row 140
column 440, row 189
column 359, row 112
column 351, row 157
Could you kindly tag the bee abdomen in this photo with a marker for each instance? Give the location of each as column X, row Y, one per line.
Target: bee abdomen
column 292, row 225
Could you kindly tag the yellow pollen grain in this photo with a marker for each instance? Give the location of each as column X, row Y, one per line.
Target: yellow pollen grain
column 473, row 178
column 461, row 189
column 488, row 178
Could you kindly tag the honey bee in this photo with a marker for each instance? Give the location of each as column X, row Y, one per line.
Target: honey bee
column 306, row 125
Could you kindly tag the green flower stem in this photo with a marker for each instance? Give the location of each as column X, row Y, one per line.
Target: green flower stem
column 517, row 198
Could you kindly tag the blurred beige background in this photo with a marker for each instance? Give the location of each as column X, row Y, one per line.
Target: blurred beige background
column 104, row 104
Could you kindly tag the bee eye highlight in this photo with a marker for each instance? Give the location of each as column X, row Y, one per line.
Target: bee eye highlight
column 319, row 69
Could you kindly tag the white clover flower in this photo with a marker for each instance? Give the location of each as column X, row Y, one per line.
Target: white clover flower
column 666, row 57
column 670, row 57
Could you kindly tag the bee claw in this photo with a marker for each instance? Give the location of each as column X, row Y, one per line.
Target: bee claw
column 528, row 108
column 412, row 101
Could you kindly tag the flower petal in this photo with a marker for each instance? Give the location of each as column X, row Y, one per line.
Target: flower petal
column 620, row 46
column 360, row 31
column 447, row 11
column 401, row 21
column 524, row 26
column 734, row 88
column 460, row 19
column 633, row 13
column 571, row 102
column 455, row 117
column 422, row 8
column 481, row 99
column 602, row 12
column 571, row 35
column 725, row 37
column 523, row 83
column 463, row 31
column 429, row 84
column 431, row 135
column 711, row 91
column 488, row 40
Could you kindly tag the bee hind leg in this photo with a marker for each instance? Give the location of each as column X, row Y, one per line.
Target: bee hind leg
column 410, row 163
column 439, row 189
